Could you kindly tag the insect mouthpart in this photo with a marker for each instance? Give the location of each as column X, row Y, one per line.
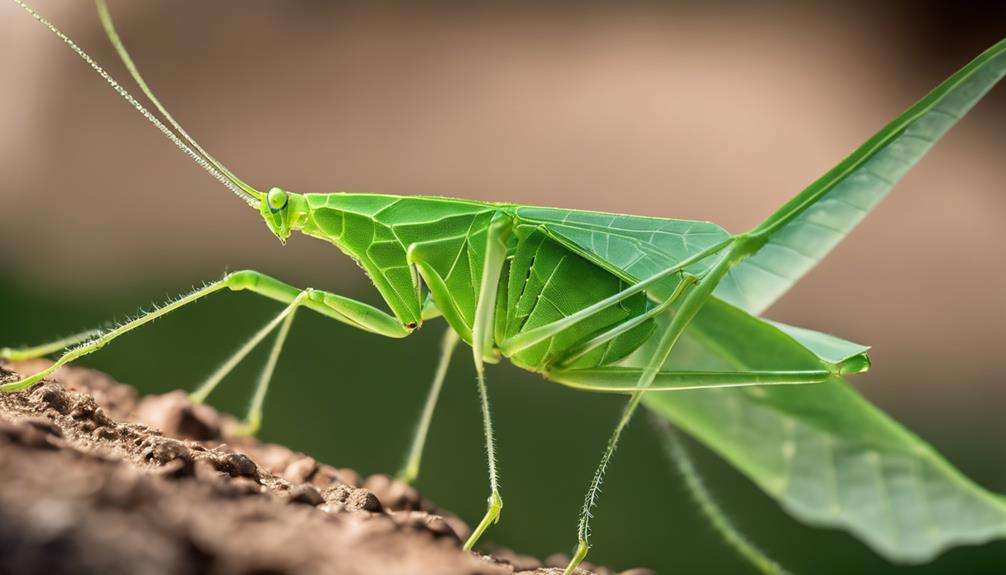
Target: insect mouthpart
column 275, row 210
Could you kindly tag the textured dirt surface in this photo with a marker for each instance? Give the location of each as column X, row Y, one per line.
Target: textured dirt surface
column 95, row 480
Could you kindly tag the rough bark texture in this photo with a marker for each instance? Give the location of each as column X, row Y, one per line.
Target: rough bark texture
column 95, row 480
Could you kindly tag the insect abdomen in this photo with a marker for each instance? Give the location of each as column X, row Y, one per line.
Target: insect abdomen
column 545, row 282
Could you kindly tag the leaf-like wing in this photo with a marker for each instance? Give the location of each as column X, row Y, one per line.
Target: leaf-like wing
column 631, row 247
column 825, row 453
column 804, row 230
column 799, row 356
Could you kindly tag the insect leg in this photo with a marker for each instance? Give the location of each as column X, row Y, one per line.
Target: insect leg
column 102, row 339
column 410, row 470
column 482, row 336
column 254, row 418
column 690, row 306
column 343, row 309
column 23, row 353
column 676, row 451
column 615, row 379
column 346, row 310
column 207, row 387
column 356, row 314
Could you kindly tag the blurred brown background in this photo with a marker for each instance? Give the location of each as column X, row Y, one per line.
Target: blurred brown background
column 717, row 111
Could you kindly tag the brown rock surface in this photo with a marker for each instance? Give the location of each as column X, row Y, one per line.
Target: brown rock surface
column 94, row 479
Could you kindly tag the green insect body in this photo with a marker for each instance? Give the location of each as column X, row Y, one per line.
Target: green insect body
column 611, row 303
column 558, row 263
column 389, row 237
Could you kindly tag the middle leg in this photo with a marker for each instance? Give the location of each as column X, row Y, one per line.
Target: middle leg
column 482, row 339
column 410, row 470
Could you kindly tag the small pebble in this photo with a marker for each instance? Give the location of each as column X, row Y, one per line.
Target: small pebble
column 338, row 493
column 239, row 465
column 175, row 414
column 306, row 494
column 85, row 408
column 394, row 494
column 54, row 396
column 301, row 470
column 169, row 450
column 352, row 498
column 363, row 500
column 325, row 475
column 441, row 528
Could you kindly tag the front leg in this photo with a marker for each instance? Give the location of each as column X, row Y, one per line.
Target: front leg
column 345, row 310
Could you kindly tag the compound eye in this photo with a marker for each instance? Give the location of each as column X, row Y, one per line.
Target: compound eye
column 276, row 199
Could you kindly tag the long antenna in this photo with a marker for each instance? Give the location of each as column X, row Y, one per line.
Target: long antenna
column 242, row 190
column 113, row 36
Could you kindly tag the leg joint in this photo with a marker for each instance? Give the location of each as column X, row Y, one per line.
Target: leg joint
column 313, row 295
column 241, row 280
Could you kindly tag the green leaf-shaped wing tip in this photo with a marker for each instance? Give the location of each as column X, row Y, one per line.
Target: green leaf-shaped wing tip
column 804, row 230
column 832, row 459
column 846, row 356
column 825, row 453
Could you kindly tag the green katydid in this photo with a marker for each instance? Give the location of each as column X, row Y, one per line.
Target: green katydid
column 595, row 301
